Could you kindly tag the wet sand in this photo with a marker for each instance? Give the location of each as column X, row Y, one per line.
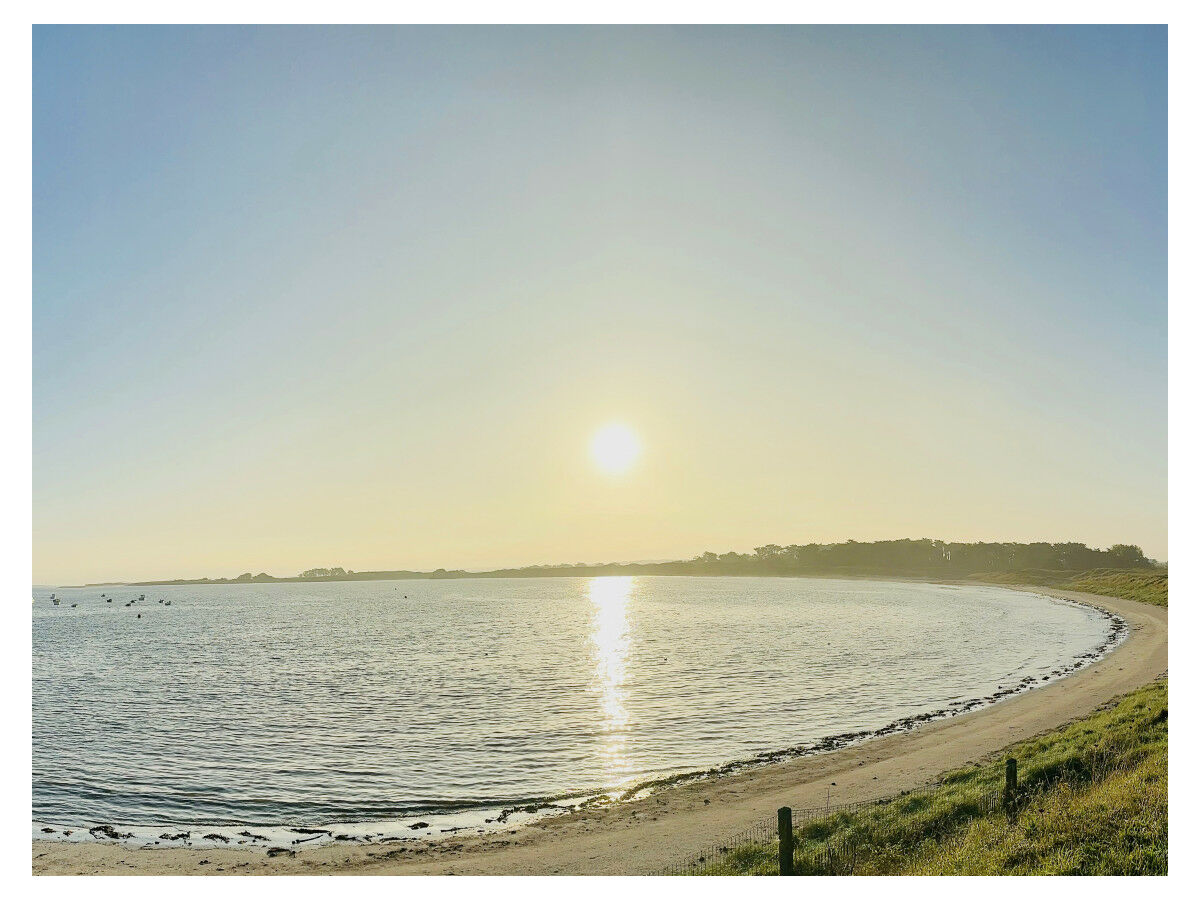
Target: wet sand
column 644, row 836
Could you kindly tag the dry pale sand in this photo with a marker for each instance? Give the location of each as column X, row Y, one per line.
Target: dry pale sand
column 644, row 836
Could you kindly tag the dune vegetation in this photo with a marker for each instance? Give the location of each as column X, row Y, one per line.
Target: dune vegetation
column 1145, row 585
column 1091, row 800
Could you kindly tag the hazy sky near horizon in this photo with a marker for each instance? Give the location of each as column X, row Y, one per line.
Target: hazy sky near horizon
column 360, row 297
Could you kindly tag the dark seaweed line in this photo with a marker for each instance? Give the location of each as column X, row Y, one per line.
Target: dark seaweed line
column 1118, row 630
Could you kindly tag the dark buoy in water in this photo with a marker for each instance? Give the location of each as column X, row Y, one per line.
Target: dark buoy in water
column 139, row 615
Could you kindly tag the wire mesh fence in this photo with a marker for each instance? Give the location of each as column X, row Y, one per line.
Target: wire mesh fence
column 890, row 830
column 836, row 839
column 825, row 839
column 759, row 836
column 881, row 834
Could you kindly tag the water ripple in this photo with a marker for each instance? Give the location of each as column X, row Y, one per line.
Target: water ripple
column 300, row 704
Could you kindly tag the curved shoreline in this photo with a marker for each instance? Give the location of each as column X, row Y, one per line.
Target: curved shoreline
column 644, row 835
column 436, row 825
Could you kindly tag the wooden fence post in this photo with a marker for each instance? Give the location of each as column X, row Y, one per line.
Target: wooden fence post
column 1010, row 784
column 785, row 841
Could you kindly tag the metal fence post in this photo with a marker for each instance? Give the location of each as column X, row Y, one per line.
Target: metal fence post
column 785, row 841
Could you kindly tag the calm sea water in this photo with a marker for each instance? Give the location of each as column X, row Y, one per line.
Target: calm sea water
column 306, row 704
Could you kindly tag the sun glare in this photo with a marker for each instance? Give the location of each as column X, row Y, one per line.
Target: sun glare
column 614, row 448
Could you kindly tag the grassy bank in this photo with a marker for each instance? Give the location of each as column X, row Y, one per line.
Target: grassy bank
column 1145, row 585
column 1092, row 800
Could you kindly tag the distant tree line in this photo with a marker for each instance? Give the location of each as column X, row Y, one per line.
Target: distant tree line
column 918, row 558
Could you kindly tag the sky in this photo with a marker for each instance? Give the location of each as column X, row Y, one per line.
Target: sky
column 362, row 296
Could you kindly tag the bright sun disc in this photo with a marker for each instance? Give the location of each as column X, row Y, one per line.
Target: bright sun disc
column 614, row 448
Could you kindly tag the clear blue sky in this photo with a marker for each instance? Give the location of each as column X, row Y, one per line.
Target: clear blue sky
column 342, row 296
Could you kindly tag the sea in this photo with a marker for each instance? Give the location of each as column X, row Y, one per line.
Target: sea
column 302, row 713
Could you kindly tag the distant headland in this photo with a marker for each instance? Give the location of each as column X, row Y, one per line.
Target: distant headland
column 918, row 558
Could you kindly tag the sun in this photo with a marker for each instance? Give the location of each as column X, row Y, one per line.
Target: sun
column 615, row 447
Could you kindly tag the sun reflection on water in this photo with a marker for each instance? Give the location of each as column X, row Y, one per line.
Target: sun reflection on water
column 610, row 645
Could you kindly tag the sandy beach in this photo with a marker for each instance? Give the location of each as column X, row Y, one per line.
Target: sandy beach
column 644, row 836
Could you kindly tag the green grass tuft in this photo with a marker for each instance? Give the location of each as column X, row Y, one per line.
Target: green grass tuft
column 1092, row 799
column 1144, row 585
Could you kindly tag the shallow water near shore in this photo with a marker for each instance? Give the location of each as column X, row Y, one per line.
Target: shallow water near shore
column 297, row 714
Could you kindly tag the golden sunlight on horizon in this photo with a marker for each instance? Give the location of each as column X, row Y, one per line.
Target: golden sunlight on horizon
column 498, row 301
column 615, row 448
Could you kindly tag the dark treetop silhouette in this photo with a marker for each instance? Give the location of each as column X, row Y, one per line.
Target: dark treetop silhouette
column 914, row 558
